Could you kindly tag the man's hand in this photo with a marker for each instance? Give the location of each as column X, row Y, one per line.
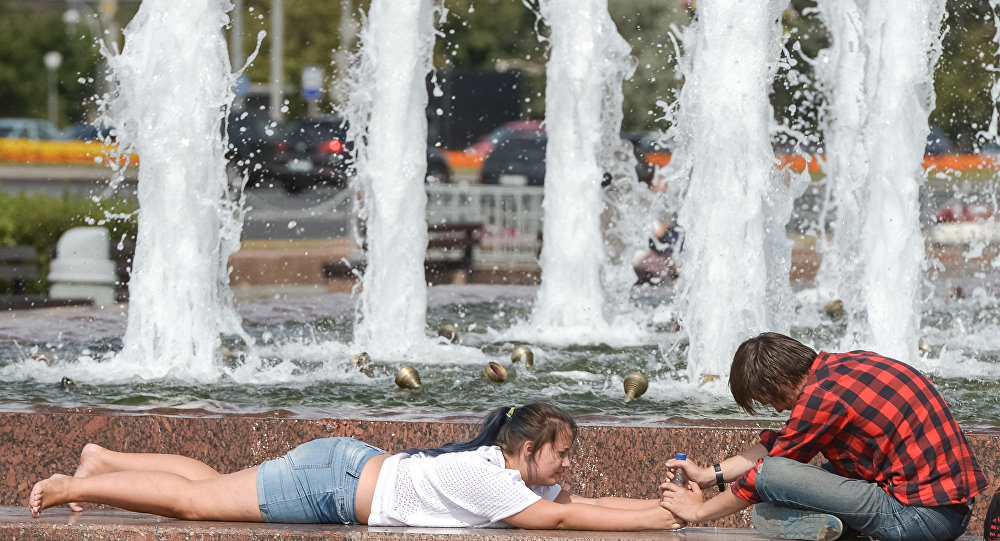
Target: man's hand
column 705, row 477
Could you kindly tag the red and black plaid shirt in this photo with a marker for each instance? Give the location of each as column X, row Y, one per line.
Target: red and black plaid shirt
column 880, row 420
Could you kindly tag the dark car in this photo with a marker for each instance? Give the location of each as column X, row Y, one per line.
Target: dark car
column 519, row 160
column 312, row 152
column 86, row 131
column 938, row 142
column 316, row 151
column 251, row 135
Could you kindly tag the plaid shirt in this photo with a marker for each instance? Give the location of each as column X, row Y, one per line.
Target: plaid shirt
column 880, row 420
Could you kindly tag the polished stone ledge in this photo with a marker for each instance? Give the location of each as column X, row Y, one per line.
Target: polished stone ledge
column 63, row 525
column 611, row 459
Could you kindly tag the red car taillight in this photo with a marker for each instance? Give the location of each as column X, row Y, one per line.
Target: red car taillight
column 333, row 146
column 282, row 146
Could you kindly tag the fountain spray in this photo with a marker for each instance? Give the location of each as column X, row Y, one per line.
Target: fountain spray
column 735, row 262
column 589, row 60
column 174, row 86
column 389, row 128
column 882, row 92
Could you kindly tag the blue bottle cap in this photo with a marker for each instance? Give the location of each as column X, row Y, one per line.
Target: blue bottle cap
column 681, row 456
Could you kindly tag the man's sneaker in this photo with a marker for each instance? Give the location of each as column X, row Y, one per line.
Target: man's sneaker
column 780, row 522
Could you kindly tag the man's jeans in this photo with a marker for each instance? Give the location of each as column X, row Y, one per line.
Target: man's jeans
column 860, row 505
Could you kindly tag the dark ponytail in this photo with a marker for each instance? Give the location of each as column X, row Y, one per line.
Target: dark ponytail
column 510, row 426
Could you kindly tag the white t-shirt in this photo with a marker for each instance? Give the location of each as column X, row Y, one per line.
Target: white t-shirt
column 466, row 489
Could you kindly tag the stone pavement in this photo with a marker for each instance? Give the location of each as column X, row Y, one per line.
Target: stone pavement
column 63, row 525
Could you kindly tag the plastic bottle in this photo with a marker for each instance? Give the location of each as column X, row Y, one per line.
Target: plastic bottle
column 680, row 477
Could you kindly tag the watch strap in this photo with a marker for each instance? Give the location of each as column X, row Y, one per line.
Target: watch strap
column 719, row 480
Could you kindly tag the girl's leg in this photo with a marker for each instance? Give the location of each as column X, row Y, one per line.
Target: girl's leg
column 230, row 497
column 96, row 460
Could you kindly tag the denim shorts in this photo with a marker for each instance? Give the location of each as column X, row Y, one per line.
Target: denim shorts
column 314, row 483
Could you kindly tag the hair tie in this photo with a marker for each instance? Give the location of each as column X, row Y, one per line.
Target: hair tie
column 510, row 412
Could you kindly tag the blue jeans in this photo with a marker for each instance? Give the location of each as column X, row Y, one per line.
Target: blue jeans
column 860, row 505
column 314, row 483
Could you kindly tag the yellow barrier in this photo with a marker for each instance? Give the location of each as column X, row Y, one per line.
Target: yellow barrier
column 31, row 151
column 89, row 152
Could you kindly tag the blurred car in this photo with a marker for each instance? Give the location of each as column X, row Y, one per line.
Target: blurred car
column 86, row 131
column 312, row 152
column 252, row 135
column 28, row 128
column 519, row 160
column 315, row 151
column 438, row 170
column 938, row 142
column 485, row 145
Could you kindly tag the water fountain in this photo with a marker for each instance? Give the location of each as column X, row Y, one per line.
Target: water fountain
column 292, row 358
column 736, row 253
column 389, row 127
column 589, row 61
column 881, row 92
column 301, row 357
column 174, row 86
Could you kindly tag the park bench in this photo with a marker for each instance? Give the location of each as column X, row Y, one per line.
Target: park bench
column 18, row 266
column 449, row 248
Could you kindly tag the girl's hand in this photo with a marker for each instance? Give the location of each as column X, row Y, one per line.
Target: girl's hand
column 683, row 502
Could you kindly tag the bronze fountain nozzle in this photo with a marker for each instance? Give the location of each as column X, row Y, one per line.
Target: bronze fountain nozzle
column 707, row 378
column 834, row 309
column 450, row 332
column 361, row 360
column 523, row 353
column 636, row 384
column 408, row 378
column 495, row 372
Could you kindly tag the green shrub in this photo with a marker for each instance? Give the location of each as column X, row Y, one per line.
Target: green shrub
column 39, row 220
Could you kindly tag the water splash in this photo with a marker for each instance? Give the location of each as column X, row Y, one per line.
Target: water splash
column 589, row 60
column 174, row 89
column 734, row 279
column 879, row 73
column 389, row 127
column 840, row 71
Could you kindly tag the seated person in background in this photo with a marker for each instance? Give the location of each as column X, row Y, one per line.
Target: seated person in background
column 506, row 475
column 656, row 265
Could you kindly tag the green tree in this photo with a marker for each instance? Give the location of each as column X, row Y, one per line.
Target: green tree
column 966, row 72
column 649, row 27
column 28, row 35
column 312, row 35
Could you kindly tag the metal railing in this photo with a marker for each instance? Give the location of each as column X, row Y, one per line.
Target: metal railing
column 511, row 218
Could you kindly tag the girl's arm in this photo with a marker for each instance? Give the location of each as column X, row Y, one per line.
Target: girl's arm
column 546, row 515
column 608, row 501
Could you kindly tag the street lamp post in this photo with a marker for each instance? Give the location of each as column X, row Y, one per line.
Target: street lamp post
column 53, row 60
column 277, row 58
column 72, row 18
column 103, row 25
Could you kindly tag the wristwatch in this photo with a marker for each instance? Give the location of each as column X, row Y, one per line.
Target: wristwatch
column 721, row 483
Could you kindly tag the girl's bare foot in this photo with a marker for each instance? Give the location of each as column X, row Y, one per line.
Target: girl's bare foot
column 47, row 493
column 90, row 464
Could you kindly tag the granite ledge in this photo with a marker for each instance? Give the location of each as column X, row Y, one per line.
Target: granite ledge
column 63, row 525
